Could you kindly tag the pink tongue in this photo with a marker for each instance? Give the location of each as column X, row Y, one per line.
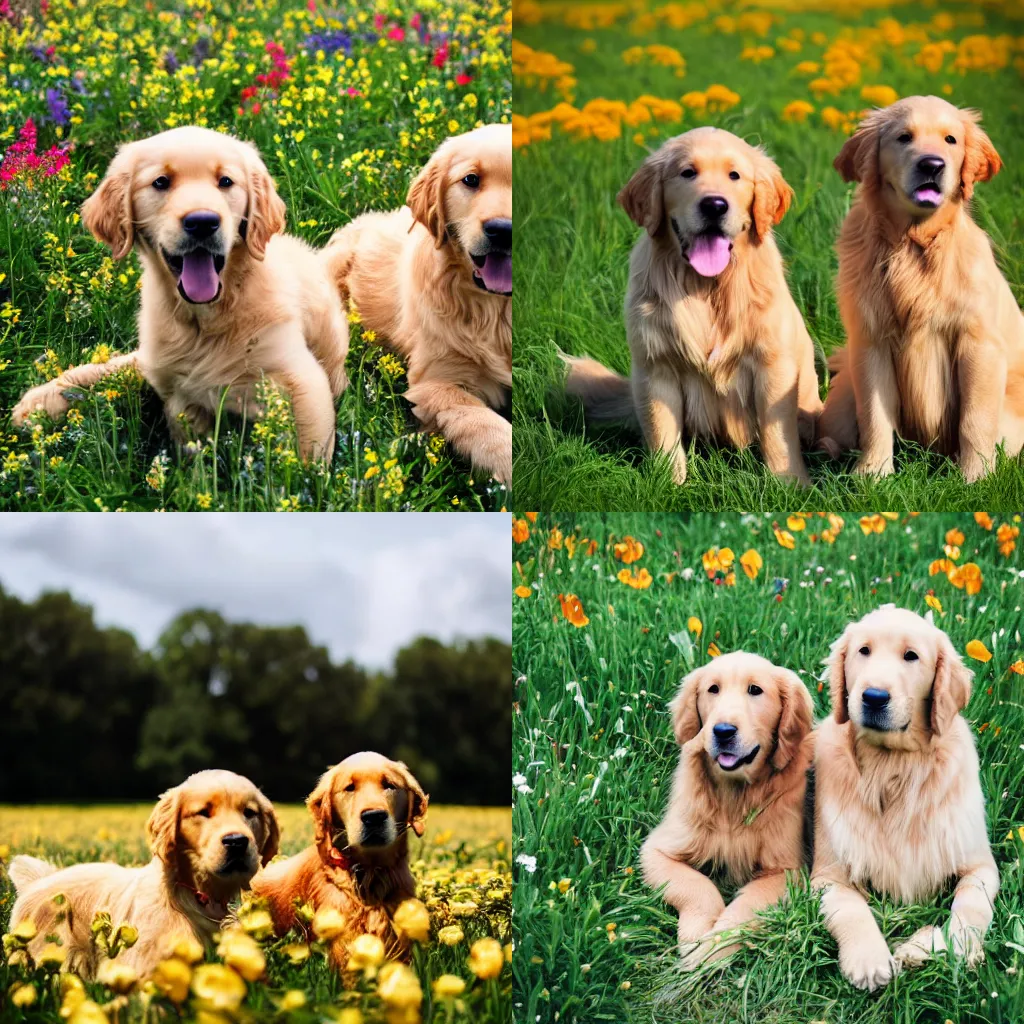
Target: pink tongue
column 198, row 278
column 929, row 193
column 726, row 760
column 496, row 273
column 709, row 255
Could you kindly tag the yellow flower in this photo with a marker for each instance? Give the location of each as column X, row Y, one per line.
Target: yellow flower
column 880, row 95
column 217, row 987
column 87, row 1012
column 293, row 999
column 714, row 650
column 522, row 591
column 572, row 609
column 717, row 560
column 119, row 977
column 187, row 949
column 448, row 986
column 555, row 539
column 452, row 934
column 350, row 1016
column 486, row 958
column 797, row 111
column 785, row 539
column 1007, row 536
column 25, row 930
column 941, row 565
column 51, row 955
column 628, row 550
column 872, row 524
column 564, row 885
column 978, row 651
column 297, row 952
column 203, row 501
column 399, row 987
column 25, row 995
column 933, row 602
column 328, row 924
column 173, row 977
column 365, row 952
column 637, row 580
column 411, row 921
column 751, row 562
column 257, row 922
column 695, row 626
column 242, row 952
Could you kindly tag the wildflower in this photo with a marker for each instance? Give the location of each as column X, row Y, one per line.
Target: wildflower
column 573, row 610
column 297, row 952
column 984, row 520
column 1007, row 536
column 933, row 602
column 452, row 934
column 967, row 577
column 695, row 626
column 293, row 999
column 628, row 550
column 1018, row 667
column 23, row 995
column 411, row 921
column 242, row 952
column 119, row 977
column 87, row 1012
column 978, row 651
column 328, row 924
column 751, row 562
column 941, row 565
column 486, row 958
column 637, row 580
column 714, row 651
column 520, row 531
column 785, row 539
column 399, row 987
column 717, row 560
column 872, row 524
column 187, row 949
column 203, row 500
column 954, row 537
column 879, row 95
column 797, row 111
column 217, row 987
column 172, row 977
column 522, row 591
column 448, row 986
column 555, row 539
column 51, row 955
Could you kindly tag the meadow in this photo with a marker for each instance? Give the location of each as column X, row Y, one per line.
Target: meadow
column 462, row 871
column 611, row 612
column 346, row 101
column 598, row 86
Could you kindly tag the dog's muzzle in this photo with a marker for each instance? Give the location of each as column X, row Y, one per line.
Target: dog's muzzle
column 492, row 269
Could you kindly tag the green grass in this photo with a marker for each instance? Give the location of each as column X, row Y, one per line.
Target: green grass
column 575, row 241
column 594, row 742
column 341, row 135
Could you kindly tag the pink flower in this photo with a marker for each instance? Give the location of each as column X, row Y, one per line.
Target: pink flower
column 463, row 78
column 415, row 21
column 441, row 56
column 378, row 21
column 396, row 33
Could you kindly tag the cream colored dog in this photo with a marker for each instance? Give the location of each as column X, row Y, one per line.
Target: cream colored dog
column 898, row 801
column 227, row 300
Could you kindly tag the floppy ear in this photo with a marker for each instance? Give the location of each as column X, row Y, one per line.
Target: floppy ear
column 951, row 689
column 981, row 161
column 107, row 213
column 264, row 217
column 796, row 719
column 642, row 196
column 685, row 717
column 772, row 196
column 162, row 826
column 426, row 197
column 272, row 829
column 837, row 679
column 418, row 800
column 858, row 159
column 321, row 807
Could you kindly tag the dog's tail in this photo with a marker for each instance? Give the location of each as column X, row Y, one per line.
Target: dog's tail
column 606, row 395
column 25, row 870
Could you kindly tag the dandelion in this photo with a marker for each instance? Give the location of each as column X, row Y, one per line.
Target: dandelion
column 572, row 609
column 399, row 987
column 23, row 996
column 486, row 958
column 411, row 921
column 293, row 999
column 797, row 110
column 448, row 986
column 88, row 1012
column 217, row 987
column 297, row 952
column 978, row 651
column 242, row 952
column 879, row 95
column 119, row 977
column 450, row 935
column 173, row 977
column 328, row 924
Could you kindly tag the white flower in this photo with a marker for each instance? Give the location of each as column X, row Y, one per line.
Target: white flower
column 518, row 779
column 528, row 862
column 687, row 574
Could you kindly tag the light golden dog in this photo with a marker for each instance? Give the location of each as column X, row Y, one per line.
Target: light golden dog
column 935, row 348
column 434, row 280
column 358, row 864
column 719, row 349
column 226, row 299
column 208, row 837
column 737, row 802
column 898, row 802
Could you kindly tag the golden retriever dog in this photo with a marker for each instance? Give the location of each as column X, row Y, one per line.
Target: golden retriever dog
column 227, row 300
column 208, row 835
column 434, row 280
column 358, row 864
column 935, row 340
column 737, row 803
column 718, row 347
column 898, row 802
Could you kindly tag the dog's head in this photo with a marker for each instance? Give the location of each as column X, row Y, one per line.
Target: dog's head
column 710, row 188
column 897, row 678
column 194, row 198
column 919, row 153
column 751, row 715
column 463, row 197
column 215, row 829
column 364, row 805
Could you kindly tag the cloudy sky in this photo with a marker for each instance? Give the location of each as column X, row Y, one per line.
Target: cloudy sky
column 363, row 584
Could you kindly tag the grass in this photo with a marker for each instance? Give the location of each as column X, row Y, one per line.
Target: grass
column 369, row 91
column 571, row 281
column 594, row 748
column 462, row 868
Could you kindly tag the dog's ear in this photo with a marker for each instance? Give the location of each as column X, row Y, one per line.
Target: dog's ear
column 686, row 721
column 426, row 197
column 981, row 161
column 264, row 217
column 642, row 196
column 418, row 800
column 796, row 719
column 772, row 195
column 321, row 805
column 837, row 678
column 858, row 159
column 162, row 826
column 951, row 688
column 271, row 830
column 107, row 213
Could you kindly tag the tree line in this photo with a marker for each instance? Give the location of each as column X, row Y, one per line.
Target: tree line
column 88, row 715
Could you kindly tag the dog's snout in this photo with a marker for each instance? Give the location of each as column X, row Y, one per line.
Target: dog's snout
column 931, row 165
column 236, row 842
column 200, row 223
column 373, row 819
column 724, row 731
column 499, row 232
column 875, row 698
column 714, row 207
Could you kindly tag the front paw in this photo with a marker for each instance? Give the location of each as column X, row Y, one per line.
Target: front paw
column 874, row 465
column 974, row 468
column 919, row 947
column 868, row 965
column 47, row 397
column 966, row 943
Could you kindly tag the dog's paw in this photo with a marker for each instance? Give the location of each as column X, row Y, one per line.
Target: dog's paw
column 869, row 966
column 974, row 468
column 966, row 943
column 870, row 465
column 920, row 946
column 47, row 397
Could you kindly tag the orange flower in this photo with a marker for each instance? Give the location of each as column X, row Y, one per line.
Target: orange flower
column 717, row 560
column 966, row 577
column 872, row 524
column 751, row 562
column 570, row 545
column 1007, row 536
column 795, row 523
column 836, row 523
column 590, row 544
column 532, row 516
column 933, row 602
column 891, row 516
column 941, row 565
column 714, row 650
column 1018, row 667
column 983, row 519
column 555, row 539
column 520, row 530
column 629, row 550
column 954, row 537
column 522, row 591
column 638, row 581
column 785, row 538
column 573, row 610
column 695, row 626
column 978, row 651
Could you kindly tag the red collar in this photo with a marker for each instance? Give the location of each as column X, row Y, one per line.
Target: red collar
column 339, row 859
column 201, row 898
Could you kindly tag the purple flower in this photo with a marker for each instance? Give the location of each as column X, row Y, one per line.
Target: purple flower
column 60, row 112
column 329, row 42
column 171, row 62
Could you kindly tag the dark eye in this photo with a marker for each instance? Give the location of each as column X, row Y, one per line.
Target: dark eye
column 754, row 690
column 951, row 140
column 865, row 651
column 387, row 784
column 910, row 656
column 204, row 813
column 251, row 812
column 713, row 688
column 905, row 138
column 225, row 182
column 735, row 175
column 689, row 173
column 471, row 181
column 350, row 788
column 162, row 184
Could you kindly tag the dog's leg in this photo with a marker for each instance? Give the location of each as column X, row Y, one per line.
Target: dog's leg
column 329, row 343
column 982, row 374
column 877, row 396
column 971, row 913
column 777, row 407
column 50, row 396
column 659, row 404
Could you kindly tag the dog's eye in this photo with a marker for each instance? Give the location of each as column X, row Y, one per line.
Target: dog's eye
column 910, row 656
column 251, row 812
column 754, row 690
column 713, row 688
column 204, row 813
column 225, row 182
column 387, row 784
column 162, row 184
column 350, row 788
column 865, row 651
column 951, row 140
column 471, row 181
column 735, row 175
column 905, row 138
column 689, row 173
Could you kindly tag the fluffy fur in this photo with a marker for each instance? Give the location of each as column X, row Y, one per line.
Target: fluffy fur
column 275, row 313
column 898, row 801
column 358, row 864
column 724, row 357
column 183, row 891
column 744, row 821
column 935, row 340
column 420, row 278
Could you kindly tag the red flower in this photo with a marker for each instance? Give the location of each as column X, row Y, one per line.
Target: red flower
column 463, row 78
column 378, row 21
column 396, row 33
column 441, row 56
column 415, row 21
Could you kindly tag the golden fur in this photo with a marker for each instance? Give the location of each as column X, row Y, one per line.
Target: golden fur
column 745, row 823
column 725, row 357
column 184, row 891
column 412, row 276
column 935, row 340
column 898, row 801
column 275, row 314
column 359, row 871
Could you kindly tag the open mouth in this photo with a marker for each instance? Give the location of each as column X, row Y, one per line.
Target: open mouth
column 198, row 274
column 709, row 253
column 928, row 195
column 729, row 761
column 493, row 272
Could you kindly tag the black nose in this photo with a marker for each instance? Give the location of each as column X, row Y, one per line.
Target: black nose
column 499, row 232
column 235, row 841
column 713, row 207
column 200, row 223
column 724, row 732
column 374, row 818
column 932, row 165
column 876, row 699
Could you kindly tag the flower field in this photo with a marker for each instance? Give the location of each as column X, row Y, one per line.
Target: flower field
column 461, row 924
column 600, row 85
column 346, row 101
column 611, row 611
